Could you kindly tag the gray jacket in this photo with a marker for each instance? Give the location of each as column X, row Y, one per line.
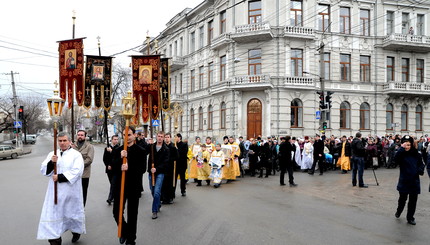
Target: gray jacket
column 87, row 151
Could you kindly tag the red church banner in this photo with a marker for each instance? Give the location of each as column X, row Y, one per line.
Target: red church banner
column 146, row 89
column 72, row 70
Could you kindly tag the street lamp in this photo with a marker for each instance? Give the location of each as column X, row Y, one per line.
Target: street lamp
column 55, row 106
column 128, row 111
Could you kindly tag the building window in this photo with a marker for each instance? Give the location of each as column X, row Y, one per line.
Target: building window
column 254, row 62
column 390, row 22
column 389, row 115
column 323, row 17
column 420, row 25
column 345, row 67
column 327, row 66
column 254, row 12
column 405, row 70
column 201, row 118
column 296, row 113
column 176, row 84
column 223, row 115
column 210, row 117
column 181, row 46
column 390, row 69
column 170, row 50
column 192, row 120
column 210, row 73
column 222, row 67
column 345, row 20
column 420, row 71
column 296, row 13
column 210, row 31
column 201, row 36
column 175, row 51
column 364, row 68
column 201, row 75
column 364, row 116
column 345, row 115
column 222, row 21
column 405, row 23
column 404, row 117
column 192, row 41
column 364, row 22
column 193, row 80
column 180, row 83
column 419, row 118
column 296, row 62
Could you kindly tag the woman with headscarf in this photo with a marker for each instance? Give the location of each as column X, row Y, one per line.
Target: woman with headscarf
column 411, row 167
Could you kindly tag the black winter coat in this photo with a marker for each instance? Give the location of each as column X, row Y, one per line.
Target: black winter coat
column 411, row 167
column 181, row 163
column 285, row 149
column 161, row 159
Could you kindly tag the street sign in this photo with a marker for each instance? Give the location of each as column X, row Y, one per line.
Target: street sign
column 155, row 123
column 17, row 124
column 318, row 115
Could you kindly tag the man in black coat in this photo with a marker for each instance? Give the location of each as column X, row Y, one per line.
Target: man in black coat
column 167, row 190
column 285, row 160
column 140, row 141
column 318, row 155
column 107, row 160
column 158, row 166
column 133, row 178
column 181, row 163
column 253, row 153
column 358, row 152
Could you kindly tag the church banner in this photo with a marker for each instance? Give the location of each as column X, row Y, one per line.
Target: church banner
column 98, row 75
column 71, row 54
column 165, row 84
column 146, row 75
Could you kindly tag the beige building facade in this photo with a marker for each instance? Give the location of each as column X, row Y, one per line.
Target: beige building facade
column 250, row 68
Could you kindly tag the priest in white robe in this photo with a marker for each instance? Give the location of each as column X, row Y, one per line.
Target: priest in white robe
column 68, row 213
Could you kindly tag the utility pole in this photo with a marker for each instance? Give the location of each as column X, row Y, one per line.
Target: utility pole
column 322, row 76
column 15, row 102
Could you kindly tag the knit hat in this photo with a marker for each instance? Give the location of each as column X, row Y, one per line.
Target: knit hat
column 407, row 138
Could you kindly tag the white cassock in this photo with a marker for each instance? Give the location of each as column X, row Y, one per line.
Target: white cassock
column 308, row 156
column 298, row 156
column 68, row 214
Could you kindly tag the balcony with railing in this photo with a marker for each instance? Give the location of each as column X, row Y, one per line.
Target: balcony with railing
column 251, row 82
column 176, row 98
column 221, row 41
column 299, row 32
column 177, row 63
column 407, row 43
column 402, row 88
column 252, row 32
column 307, row 83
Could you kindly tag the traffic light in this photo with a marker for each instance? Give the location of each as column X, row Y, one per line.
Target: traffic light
column 324, row 125
column 328, row 99
column 21, row 113
column 321, row 97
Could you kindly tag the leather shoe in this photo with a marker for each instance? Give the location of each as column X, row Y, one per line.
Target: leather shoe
column 184, row 194
column 397, row 215
column 122, row 240
column 293, row 184
column 154, row 215
column 412, row 222
column 363, row 186
column 75, row 237
column 282, row 184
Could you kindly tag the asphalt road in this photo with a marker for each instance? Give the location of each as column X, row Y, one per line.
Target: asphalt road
column 321, row 210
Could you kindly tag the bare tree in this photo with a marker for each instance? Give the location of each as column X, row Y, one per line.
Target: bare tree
column 6, row 108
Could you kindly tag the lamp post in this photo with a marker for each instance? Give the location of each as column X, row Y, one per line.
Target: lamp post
column 128, row 111
column 55, row 106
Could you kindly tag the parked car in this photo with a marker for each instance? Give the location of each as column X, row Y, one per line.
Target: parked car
column 31, row 139
column 10, row 151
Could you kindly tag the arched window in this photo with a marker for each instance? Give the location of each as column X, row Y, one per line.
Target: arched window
column 210, row 117
column 389, row 116
column 296, row 113
column 192, row 120
column 201, row 118
column 345, row 115
column 364, row 116
column 223, row 115
column 404, row 117
column 419, row 118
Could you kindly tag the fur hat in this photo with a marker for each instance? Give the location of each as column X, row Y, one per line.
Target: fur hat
column 407, row 138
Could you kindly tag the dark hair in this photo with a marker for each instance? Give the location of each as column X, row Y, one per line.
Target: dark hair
column 133, row 129
column 115, row 135
column 294, row 138
column 168, row 133
column 81, row 130
column 179, row 135
column 287, row 138
column 358, row 135
column 209, row 138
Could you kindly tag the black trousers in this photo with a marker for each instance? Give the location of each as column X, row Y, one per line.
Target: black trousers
column 290, row 170
column 85, row 183
column 320, row 161
column 412, row 205
column 129, row 227
column 110, row 177
column 181, row 174
column 167, row 190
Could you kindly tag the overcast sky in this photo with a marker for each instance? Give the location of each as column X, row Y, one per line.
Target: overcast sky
column 29, row 32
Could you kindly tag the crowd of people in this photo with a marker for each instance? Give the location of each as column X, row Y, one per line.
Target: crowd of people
column 170, row 159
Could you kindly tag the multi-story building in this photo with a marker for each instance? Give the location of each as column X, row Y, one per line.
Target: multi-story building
column 253, row 67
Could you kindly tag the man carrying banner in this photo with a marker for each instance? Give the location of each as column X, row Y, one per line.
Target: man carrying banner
column 68, row 213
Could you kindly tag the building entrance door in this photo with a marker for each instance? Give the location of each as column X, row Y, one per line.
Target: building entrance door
column 254, row 115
